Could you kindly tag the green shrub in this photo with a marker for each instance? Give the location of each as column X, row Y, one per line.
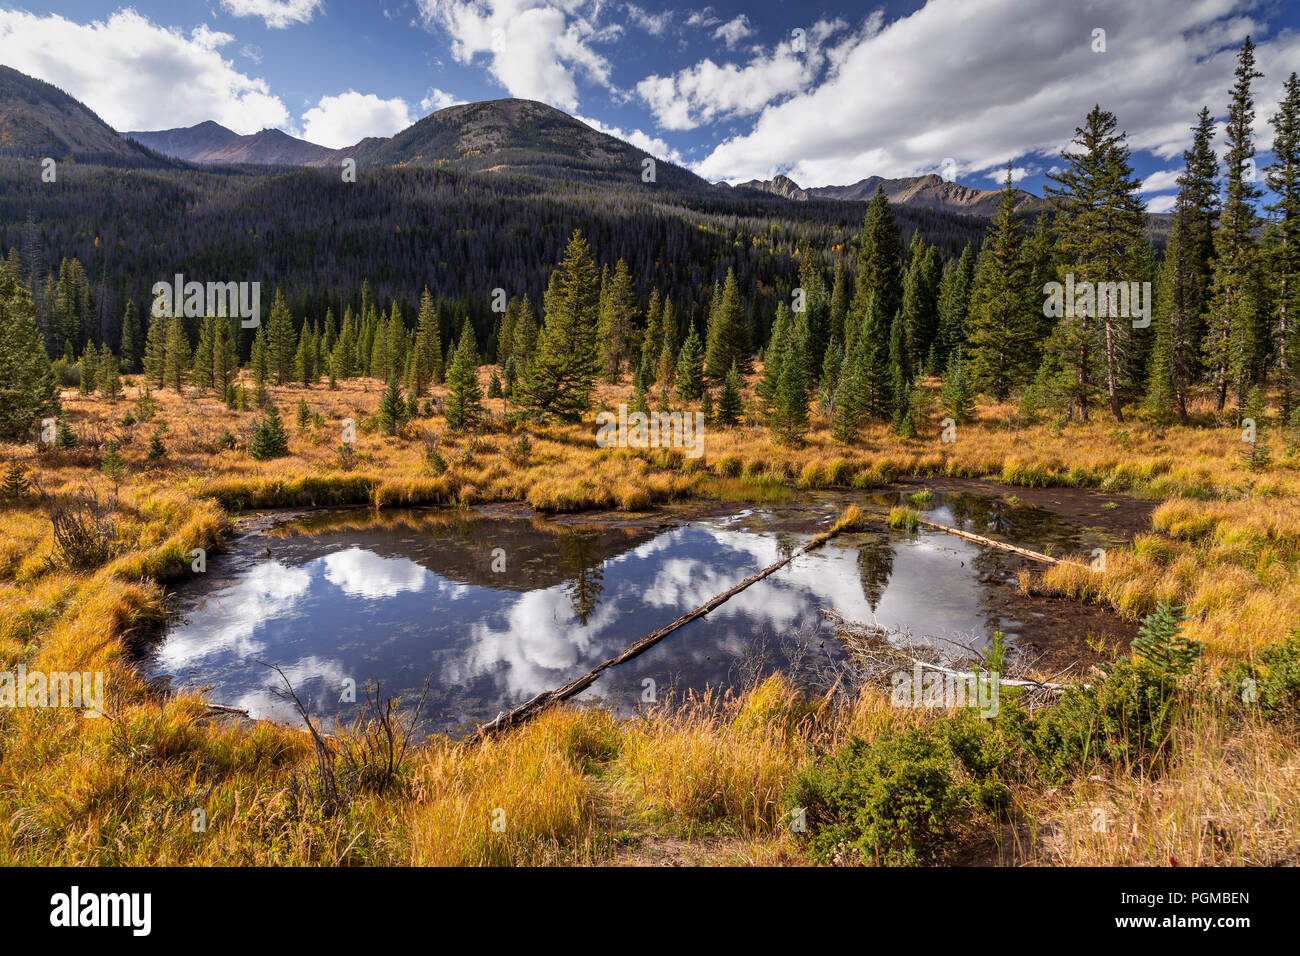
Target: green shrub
column 895, row 802
column 1273, row 680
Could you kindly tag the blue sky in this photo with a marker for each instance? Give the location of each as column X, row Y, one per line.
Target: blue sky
column 825, row 92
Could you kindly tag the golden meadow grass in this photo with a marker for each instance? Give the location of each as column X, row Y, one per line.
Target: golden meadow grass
column 578, row 786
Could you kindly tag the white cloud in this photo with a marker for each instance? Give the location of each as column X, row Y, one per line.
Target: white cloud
column 733, row 31
column 650, row 144
column 653, row 23
column 702, row 18
column 707, row 92
column 1161, row 203
column 534, row 48
column 277, row 14
column 437, row 99
column 137, row 75
column 1161, row 180
column 361, row 573
column 338, row 121
column 1024, row 78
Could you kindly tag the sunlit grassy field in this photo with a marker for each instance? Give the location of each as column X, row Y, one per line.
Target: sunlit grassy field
column 704, row 781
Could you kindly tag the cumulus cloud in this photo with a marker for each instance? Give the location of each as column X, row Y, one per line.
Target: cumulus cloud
column 536, row 49
column 437, row 99
column 708, row 92
column 137, row 75
column 733, row 31
column 1161, row 203
column 277, row 14
column 1026, row 77
column 643, row 141
column 338, row 121
column 1160, row 181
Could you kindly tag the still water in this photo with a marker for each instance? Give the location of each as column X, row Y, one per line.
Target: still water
column 493, row 609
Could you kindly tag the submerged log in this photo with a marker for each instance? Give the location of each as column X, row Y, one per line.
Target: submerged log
column 850, row 521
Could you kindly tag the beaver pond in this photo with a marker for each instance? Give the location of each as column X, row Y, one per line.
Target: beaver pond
column 493, row 605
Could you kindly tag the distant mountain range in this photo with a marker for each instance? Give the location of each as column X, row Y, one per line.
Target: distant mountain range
column 211, row 142
column 506, row 135
column 926, row 192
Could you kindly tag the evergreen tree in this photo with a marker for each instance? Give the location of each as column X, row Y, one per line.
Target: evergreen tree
column 201, row 370
column 1102, row 226
column 427, row 366
column 789, row 420
column 730, row 400
column 1199, row 188
column 652, row 342
column 832, row 362
column 15, row 484
column 850, row 393
column 1284, row 244
column 727, row 342
column 768, row 382
column 464, row 396
column 27, row 387
column 816, row 315
column 303, row 370
column 666, row 370
column 225, row 356
column 392, row 410
column 176, row 367
column 89, row 369
column 690, row 369
column 920, row 300
column 343, row 361
column 270, row 440
column 1177, row 315
column 839, row 301
column 880, row 259
column 1231, row 342
column 280, row 340
column 525, row 338
column 954, row 303
column 133, row 342
column 900, row 378
column 617, row 316
column 1005, row 307
column 155, row 351
column 109, row 378
column 563, row 370
column 957, row 395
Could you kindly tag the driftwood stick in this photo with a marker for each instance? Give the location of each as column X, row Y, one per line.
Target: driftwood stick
column 1001, row 545
column 531, row 708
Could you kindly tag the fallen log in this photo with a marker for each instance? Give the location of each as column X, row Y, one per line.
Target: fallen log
column 851, row 520
column 1000, row 545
